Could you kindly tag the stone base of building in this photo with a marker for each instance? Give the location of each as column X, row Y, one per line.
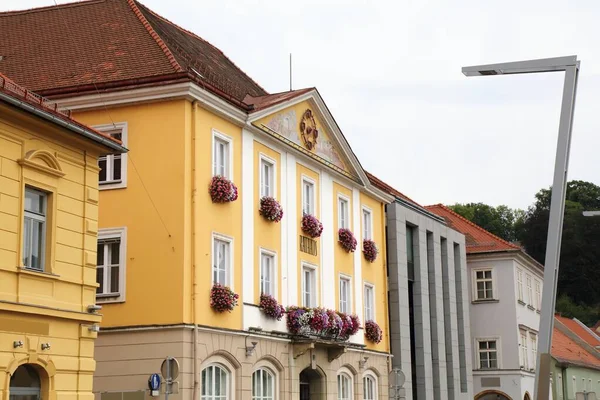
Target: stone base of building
column 127, row 357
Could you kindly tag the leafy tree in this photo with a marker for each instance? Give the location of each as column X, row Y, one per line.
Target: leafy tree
column 502, row 221
column 586, row 314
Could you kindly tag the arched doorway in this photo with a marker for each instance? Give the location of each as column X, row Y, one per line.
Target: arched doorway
column 25, row 384
column 492, row 395
column 312, row 385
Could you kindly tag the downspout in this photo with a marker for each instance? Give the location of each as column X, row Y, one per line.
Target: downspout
column 194, row 254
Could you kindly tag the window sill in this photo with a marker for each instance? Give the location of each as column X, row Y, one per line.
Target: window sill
column 35, row 272
column 531, row 308
column 109, row 298
column 484, row 301
column 112, row 185
column 521, row 302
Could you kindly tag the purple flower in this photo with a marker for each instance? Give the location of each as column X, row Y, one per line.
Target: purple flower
column 270, row 307
column 222, row 190
column 270, row 209
column 346, row 240
column 311, row 226
column 370, row 250
column 373, row 332
column 222, row 298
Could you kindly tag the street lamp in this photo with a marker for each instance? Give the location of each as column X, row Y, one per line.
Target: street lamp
column 570, row 65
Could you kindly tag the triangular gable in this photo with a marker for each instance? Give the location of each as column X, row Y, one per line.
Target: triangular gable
column 304, row 123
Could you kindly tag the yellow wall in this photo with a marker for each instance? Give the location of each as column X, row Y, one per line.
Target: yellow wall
column 344, row 262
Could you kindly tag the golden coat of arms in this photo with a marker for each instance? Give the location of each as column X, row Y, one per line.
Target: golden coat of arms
column 308, row 130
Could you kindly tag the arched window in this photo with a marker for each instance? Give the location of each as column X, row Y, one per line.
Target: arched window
column 25, row 383
column 369, row 387
column 215, row 383
column 344, row 386
column 263, row 385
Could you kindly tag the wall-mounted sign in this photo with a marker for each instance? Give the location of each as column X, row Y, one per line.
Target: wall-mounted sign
column 308, row 245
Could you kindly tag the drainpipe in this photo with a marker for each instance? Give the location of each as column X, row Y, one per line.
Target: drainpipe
column 194, row 253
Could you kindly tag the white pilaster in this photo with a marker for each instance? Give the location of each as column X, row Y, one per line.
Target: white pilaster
column 328, row 278
column 357, row 278
column 287, row 215
column 291, row 244
column 248, row 213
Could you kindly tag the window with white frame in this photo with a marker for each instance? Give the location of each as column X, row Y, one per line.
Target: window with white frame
column 267, row 273
column 110, row 263
column 308, row 197
column 215, row 383
column 533, row 338
column 529, row 290
column 34, row 228
column 113, row 167
column 221, row 259
column 263, row 385
column 538, row 295
column 344, row 386
column 369, row 387
column 369, row 302
column 345, row 295
column 343, row 218
column 519, row 284
column 487, row 354
column 309, row 286
column 524, row 356
column 221, row 155
column 267, row 177
column 483, row 284
column 367, row 221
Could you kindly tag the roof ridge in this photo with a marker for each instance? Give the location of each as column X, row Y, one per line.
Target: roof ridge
column 155, row 36
column 475, row 225
column 203, row 40
column 52, row 7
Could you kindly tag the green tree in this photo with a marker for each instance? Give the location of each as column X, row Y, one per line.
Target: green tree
column 502, row 221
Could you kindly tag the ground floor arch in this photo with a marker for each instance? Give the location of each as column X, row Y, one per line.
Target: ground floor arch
column 492, row 395
column 26, row 383
column 312, row 384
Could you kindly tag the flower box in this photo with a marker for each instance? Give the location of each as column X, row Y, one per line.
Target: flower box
column 270, row 209
column 222, row 190
column 347, row 240
column 370, row 250
column 373, row 332
column 323, row 323
column 270, row 307
column 311, row 226
column 222, row 298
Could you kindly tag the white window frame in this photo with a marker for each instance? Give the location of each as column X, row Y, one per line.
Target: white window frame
column 229, row 381
column 367, row 228
column 229, row 268
column 529, row 288
column 111, row 129
column 492, row 280
column 523, row 352
column 311, row 202
column 533, row 339
column 538, row 294
column 273, row 376
column 347, row 303
column 373, row 377
column 498, row 352
column 343, row 220
column 228, row 164
column 366, row 316
column 271, row 191
column 28, row 219
column 273, row 283
column 344, row 373
column 520, row 285
column 121, row 234
column 315, row 281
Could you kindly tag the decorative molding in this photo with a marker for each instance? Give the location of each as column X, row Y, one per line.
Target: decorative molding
column 52, row 166
column 308, row 129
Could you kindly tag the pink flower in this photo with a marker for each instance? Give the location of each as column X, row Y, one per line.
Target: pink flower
column 370, row 250
column 222, row 190
column 270, row 307
column 346, row 240
column 311, row 226
column 222, row 298
column 270, row 209
column 373, row 332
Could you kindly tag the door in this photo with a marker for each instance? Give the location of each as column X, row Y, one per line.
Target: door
column 25, row 384
column 304, row 391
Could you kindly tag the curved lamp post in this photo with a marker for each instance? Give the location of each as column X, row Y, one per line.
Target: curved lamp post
column 570, row 65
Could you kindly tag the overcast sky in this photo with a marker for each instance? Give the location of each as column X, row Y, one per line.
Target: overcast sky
column 390, row 74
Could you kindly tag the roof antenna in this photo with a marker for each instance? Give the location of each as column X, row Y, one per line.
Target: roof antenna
column 290, row 72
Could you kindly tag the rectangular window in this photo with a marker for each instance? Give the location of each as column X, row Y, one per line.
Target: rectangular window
column 369, row 299
column 529, row 290
column 524, row 356
column 34, row 228
column 221, row 155
column 410, row 253
column 367, row 224
column 343, row 221
column 533, row 339
column 483, row 285
column 221, row 261
column 488, row 354
column 309, row 287
column 267, row 178
column 308, row 197
column 113, row 167
column 520, row 284
column 110, row 260
column 345, row 295
column 267, row 273
column 538, row 295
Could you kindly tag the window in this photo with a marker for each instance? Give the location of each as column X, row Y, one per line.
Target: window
column 221, row 155
column 221, row 261
column 343, row 221
column 267, row 273
column 34, row 228
column 113, row 167
column 520, row 284
column 367, row 224
column 533, row 339
column 309, row 286
column 483, row 285
column 344, row 387
column 345, row 295
column 369, row 388
column 538, row 295
column 410, row 253
column 369, row 300
column 308, row 197
column 263, row 385
column 488, row 354
column 267, row 177
column 110, row 261
column 560, row 387
column 215, row 383
column 529, row 290
column 523, row 355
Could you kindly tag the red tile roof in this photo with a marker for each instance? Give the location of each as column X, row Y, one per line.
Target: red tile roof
column 110, row 43
column 566, row 350
column 262, row 102
column 19, row 93
column 478, row 240
column 579, row 330
column 378, row 183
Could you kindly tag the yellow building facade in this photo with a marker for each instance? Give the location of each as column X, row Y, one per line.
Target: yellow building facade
column 48, row 227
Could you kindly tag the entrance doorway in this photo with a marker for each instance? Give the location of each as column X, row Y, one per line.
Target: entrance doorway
column 312, row 386
column 491, row 395
column 25, row 384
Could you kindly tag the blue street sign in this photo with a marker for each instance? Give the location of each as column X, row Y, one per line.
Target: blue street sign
column 154, row 382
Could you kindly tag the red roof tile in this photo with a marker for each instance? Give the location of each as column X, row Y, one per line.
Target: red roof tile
column 99, row 42
column 378, row 183
column 566, row 350
column 262, row 102
column 579, row 330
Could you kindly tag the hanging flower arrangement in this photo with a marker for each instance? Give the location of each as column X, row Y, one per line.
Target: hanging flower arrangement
column 347, row 240
column 373, row 332
column 222, row 190
column 222, row 298
column 270, row 209
column 370, row 250
column 270, row 307
column 321, row 322
column 311, row 226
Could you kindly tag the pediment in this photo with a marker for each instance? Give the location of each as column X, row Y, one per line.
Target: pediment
column 43, row 160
